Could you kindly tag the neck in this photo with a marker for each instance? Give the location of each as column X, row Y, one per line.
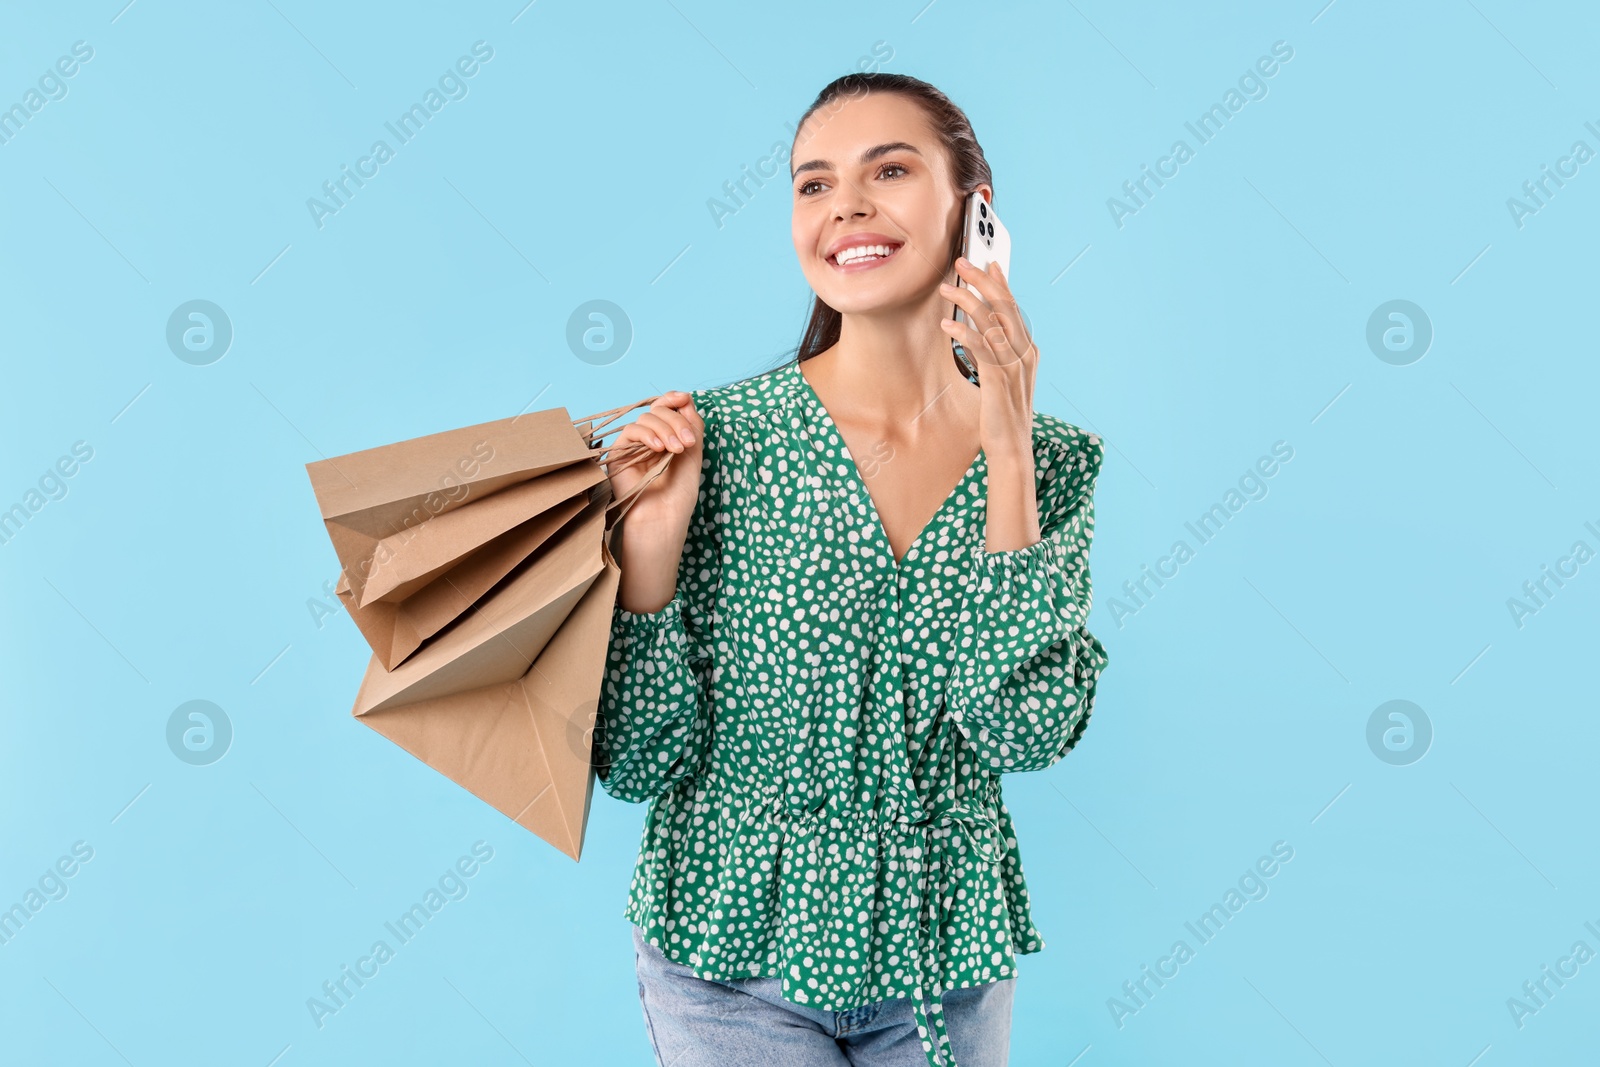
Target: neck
column 890, row 365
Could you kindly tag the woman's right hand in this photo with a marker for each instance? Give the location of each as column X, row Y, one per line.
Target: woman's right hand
column 671, row 424
column 651, row 535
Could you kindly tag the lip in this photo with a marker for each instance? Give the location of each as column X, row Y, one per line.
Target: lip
column 863, row 238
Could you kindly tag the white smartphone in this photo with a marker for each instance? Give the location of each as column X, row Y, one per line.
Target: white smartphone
column 984, row 240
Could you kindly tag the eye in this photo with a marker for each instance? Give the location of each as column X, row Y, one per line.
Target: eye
column 886, row 167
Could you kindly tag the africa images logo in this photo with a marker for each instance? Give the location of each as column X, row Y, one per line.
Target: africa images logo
column 451, row 86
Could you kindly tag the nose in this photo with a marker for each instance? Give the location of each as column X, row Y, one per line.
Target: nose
column 849, row 202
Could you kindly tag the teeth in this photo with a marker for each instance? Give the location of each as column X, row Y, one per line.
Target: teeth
column 861, row 251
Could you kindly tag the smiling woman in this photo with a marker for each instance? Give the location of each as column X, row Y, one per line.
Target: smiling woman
column 820, row 668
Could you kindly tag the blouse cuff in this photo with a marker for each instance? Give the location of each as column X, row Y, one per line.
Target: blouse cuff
column 1023, row 603
column 1029, row 581
column 665, row 622
column 1014, row 562
column 1032, row 579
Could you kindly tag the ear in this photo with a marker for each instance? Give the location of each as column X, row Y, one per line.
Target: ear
column 987, row 191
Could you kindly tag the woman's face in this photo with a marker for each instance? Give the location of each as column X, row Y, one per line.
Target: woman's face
column 872, row 165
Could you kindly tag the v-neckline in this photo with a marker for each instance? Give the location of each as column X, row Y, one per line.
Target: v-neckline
column 832, row 427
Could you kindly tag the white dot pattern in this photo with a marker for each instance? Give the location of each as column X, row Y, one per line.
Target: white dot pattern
column 820, row 730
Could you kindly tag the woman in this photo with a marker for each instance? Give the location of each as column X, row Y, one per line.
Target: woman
column 853, row 600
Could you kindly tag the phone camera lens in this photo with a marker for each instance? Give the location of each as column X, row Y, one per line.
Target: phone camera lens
column 991, row 230
column 983, row 209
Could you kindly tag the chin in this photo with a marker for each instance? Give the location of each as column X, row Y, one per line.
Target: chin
column 858, row 303
column 862, row 295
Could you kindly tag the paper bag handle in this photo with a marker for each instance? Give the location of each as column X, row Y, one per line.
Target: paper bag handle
column 633, row 453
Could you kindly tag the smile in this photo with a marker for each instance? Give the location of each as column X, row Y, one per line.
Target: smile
column 863, row 257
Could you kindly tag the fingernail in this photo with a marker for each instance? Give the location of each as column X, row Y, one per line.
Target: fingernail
column 656, row 441
column 688, row 438
column 963, row 261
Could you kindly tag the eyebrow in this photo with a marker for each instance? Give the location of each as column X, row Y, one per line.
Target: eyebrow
column 866, row 157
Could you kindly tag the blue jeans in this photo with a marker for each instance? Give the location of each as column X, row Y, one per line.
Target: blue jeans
column 700, row 1022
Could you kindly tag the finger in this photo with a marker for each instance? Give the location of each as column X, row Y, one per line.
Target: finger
column 693, row 415
column 622, row 457
column 673, row 398
column 682, row 422
column 1000, row 349
column 1002, row 307
column 1005, row 302
column 664, row 427
column 651, row 431
column 970, row 339
column 680, row 427
column 996, row 298
column 684, row 417
column 684, row 427
column 988, row 343
column 1009, row 316
column 634, row 449
column 677, row 401
column 982, row 281
column 967, row 300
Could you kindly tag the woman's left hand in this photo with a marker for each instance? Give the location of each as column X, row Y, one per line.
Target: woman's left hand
column 997, row 340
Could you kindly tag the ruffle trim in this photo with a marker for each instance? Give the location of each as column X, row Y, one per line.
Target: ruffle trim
column 1025, row 936
column 1088, row 663
column 804, row 925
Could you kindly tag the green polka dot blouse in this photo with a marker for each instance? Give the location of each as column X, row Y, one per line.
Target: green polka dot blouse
column 820, row 729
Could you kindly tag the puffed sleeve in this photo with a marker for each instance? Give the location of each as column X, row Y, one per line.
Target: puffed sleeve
column 1026, row 666
column 653, row 726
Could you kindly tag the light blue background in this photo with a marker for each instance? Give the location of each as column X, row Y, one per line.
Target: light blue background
column 1228, row 314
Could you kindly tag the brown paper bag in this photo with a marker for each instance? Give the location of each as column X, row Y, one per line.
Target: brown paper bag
column 395, row 630
column 505, row 706
column 502, row 697
column 398, row 514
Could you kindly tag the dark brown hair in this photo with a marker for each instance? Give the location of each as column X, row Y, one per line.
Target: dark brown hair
column 968, row 167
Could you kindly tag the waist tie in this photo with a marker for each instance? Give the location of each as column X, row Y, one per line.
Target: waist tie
column 970, row 815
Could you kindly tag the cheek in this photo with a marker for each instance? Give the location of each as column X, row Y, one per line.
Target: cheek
column 925, row 226
column 806, row 235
